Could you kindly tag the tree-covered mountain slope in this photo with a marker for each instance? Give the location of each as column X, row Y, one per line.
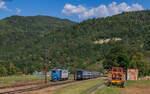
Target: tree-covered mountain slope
column 69, row 45
column 33, row 23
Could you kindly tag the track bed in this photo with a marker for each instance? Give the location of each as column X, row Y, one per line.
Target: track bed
column 32, row 87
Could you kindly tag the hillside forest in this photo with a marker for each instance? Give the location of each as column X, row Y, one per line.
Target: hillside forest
column 31, row 43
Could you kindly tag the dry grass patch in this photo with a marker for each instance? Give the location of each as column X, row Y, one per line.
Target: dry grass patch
column 137, row 87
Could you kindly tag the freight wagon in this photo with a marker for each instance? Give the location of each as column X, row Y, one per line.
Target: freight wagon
column 83, row 74
column 59, row 74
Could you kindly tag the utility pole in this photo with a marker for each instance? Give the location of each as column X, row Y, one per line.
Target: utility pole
column 74, row 68
column 74, row 71
column 42, row 69
column 46, row 57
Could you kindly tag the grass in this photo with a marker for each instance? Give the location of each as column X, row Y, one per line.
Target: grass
column 108, row 90
column 129, row 83
column 5, row 81
column 81, row 88
column 131, row 87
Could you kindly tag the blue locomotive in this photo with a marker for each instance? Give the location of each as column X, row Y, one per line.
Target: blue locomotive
column 83, row 74
column 59, row 74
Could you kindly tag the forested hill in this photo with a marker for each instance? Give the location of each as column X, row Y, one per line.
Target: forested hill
column 85, row 44
column 33, row 23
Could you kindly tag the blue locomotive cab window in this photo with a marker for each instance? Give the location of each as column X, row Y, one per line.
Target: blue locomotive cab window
column 53, row 71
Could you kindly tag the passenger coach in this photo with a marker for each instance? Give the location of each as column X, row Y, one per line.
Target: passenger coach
column 83, row 74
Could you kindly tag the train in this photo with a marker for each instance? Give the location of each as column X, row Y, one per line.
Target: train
column 61, row 74
column 83, row 74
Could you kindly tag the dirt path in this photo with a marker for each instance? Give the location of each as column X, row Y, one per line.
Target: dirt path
column 136, row 89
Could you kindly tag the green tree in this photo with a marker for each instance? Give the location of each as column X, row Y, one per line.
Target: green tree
column 147, row 42
column 12, row 69
column 138, row 62
column 3, row 71
column 123, row 61
column 116, row 57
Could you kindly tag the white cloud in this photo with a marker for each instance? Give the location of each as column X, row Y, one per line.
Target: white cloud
column 18, row 10
column 71, row 9
column 3, row 5
column 101, row 10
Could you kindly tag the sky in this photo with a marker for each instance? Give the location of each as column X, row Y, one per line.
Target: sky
column 75, row 10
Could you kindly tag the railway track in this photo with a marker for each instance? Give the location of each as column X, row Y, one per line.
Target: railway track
column 33, row 87
column 22, row 89
column 21, row 84
column 98, row 88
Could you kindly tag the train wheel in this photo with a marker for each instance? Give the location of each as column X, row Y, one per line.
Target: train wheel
column 108, row 83
column 123, row 84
